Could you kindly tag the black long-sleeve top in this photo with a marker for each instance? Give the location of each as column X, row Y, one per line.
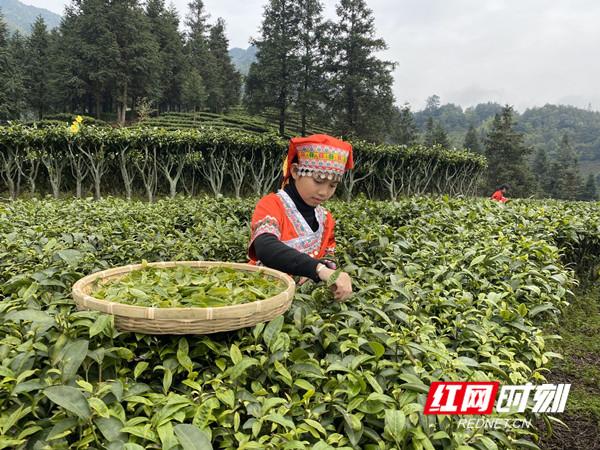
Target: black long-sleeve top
column 273, row 253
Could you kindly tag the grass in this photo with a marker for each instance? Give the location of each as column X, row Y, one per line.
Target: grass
column 580, row 347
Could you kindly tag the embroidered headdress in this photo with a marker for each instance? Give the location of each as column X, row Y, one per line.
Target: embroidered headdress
column 320, row 155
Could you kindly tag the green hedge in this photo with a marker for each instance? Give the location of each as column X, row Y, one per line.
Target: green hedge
column 155, row 160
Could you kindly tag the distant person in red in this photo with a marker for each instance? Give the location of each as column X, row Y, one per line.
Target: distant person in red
column 499, row 194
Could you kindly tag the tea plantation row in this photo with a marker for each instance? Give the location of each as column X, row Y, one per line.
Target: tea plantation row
column 445, row 289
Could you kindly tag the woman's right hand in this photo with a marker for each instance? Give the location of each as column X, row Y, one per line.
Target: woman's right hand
column 342, row 288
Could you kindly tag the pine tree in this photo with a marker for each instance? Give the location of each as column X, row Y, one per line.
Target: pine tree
column 4, row 62
column 471, row 142
column 404, row 129
column 138, row 55
column 56, row 74
column 440, row 136
column 589, row 191
column 361, row 84
column 272, row 78
column 88, row 56
column 13, row 76
column 567, row 180
column 506, row 154
column 193, row 93
column 311, row 74
column 197, row 50
column 225, row 91
column 164, row 24
column 429, row 136
column 435, row 134
column 36, row 68
column 3, row 32
column 541, row 171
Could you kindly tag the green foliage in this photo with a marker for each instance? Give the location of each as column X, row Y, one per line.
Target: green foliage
column 404, row 130
column 226, row 161
column 271, row 80
column 164, row 26
column 37, row 60
column 361, row 98
column 590, row 190
column 506, row 154
column 324, row 375
column 542, row 128
column 472, row 142
column 224, row 91
column 435, row 135
column 565, row 181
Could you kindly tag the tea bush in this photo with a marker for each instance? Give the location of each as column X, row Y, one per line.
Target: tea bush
column 60, row 159
column 445, row 289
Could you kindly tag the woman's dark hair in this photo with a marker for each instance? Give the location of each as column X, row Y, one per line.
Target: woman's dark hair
column 291, row 180
column 503, row 186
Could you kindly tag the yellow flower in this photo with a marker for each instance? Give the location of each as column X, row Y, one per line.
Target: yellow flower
column 74, row 127
column 78, row 119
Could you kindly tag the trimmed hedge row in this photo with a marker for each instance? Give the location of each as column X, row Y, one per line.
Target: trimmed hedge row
column 156, row 160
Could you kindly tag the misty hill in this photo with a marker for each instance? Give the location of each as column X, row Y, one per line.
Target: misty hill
column 242, row 59
column 19, row 16
column 543, row 127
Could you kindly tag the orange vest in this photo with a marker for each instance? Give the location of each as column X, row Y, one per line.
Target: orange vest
column 277, row 214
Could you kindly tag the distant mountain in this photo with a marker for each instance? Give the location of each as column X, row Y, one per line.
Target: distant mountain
column 543, row 127
column 242, row 59
column 19, row 16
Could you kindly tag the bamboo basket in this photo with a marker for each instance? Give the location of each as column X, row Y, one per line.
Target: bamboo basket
column 150, row 320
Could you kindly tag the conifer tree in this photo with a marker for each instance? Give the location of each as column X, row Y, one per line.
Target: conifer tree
column 541, row 171
column 565, row 172
column 589, row 191
column 164, row 24
column 272, row 78
column 404, row 129
column 5, row 61
column 88, row 57
column 138, row 55
column 13, row 76
column 36, row 68
column 311, row 72
column 225, row 91
column 361, row 98
column 471, row 142
column 506, row 154
column 197, row 50
column 429, row 135
column 440, row 136
column 3, row 32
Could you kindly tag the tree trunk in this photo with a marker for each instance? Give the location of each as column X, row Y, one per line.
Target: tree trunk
column 97, row 186
column 124, row 105
column 18, row 189
column 127, row 177
column 78, row 187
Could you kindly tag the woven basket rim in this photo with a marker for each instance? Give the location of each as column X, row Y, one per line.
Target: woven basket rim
column 84, row 300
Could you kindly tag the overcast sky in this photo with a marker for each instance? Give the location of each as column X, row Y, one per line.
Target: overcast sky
column 521, row 52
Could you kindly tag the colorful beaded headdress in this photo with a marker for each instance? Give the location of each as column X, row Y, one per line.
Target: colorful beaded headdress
column 320, row 155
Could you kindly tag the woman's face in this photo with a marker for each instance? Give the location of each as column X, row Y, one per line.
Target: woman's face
column 313, row 191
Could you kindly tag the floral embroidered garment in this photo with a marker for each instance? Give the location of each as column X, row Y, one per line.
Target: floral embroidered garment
column 277, row 214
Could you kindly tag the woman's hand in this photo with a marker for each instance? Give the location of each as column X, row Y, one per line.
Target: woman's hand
column 342, row 288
